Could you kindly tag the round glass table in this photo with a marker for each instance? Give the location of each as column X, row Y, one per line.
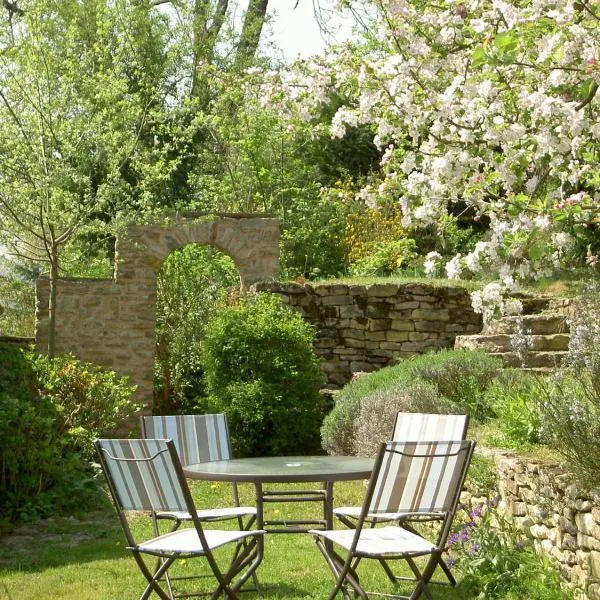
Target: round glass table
column 287, row 469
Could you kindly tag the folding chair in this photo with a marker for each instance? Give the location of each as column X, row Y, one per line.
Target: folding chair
column 199, row 438
column 409, row 478
column 413, row 427
column 146, row 475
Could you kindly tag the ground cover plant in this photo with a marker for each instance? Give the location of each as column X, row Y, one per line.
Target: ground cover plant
column 497, row 561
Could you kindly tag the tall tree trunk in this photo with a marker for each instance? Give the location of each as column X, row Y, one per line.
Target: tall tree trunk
column 253, row 25
column 204, row 41
column 52, row 302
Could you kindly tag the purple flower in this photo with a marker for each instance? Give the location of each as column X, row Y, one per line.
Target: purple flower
column 520, row 544
column 463, row 536
column 474, row 548
column 493, row 502
column 450, row 561
column 453, row 539
column 476, row 512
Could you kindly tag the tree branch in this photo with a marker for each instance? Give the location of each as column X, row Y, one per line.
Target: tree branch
column 589, row 97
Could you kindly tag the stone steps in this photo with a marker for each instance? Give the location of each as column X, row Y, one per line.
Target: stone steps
column 544, row 327
column 556, row 342
column 541, row 324
column 532, row 360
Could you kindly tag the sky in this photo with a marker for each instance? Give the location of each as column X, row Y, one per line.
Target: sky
column 296, row 31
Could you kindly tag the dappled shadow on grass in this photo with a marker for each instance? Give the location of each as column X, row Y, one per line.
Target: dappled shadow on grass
column 60, row 541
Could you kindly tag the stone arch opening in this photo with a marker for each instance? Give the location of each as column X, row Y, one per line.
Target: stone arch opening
column 194, row 281
column 111, row 322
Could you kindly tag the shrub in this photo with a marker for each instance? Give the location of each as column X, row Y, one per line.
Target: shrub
column 497, row 562
column 90, row 401
column 45, row 431
column 569, row 402
column 385, row 258
column 462, row 376
column 377, row 413
column 262, row 371
column 459, row 377
column 514, row 398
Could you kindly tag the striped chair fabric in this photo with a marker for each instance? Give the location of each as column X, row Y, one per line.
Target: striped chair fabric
column 146, row 475
column 198, row 438
column 409, row 478
column 413, row 427
column 142, row 475
column 419, row 477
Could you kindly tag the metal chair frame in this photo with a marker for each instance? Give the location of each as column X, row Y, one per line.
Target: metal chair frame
column 345, row 569
column 146, row 475
column 159, row 426
column 414, row 427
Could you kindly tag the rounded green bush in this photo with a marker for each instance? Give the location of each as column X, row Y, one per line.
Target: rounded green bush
column 378, row 410
column 459, row 379
column 262, row 371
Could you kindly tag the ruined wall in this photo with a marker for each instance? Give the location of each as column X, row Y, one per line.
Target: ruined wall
column 366, row 327
column 112, row 322
column 561, row 518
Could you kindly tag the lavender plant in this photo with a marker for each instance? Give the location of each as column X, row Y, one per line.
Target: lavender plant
column 497, row 561
column 570, row 400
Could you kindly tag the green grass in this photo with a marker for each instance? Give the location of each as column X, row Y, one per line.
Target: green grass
column 83, row 557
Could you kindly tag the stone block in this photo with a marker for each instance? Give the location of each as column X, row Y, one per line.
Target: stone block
column 587, row 542
column 378, row 310
column 382, row 290
column 538, row 532
column 593, row 591
column 351, row 311
column 397, row 336
column 354, row 343
column 379, row 325
column 353, row 334
column 401, row 325
column 338, row 289
column 430, row 326
column 594, row 564
column 337, row 301
column 586, row 524
column 430, row 315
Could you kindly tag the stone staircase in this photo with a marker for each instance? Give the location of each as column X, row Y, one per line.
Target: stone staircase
column 535, row 341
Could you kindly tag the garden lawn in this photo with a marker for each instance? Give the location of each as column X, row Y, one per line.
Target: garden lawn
column 83, row 557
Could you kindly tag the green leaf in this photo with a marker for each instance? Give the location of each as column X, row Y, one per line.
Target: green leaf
column 479, row 57
column 506, row 42
column 586, row 87
column 536, row 252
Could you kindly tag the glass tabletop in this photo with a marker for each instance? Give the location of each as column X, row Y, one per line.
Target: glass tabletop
column 283, row 469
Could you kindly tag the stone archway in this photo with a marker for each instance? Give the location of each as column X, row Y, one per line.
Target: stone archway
column 111, row 322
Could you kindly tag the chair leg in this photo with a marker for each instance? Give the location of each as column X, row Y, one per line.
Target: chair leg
column 153, row 579
column 424, row 577
column 343, row 572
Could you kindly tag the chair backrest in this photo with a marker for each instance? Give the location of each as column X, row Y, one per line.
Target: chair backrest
column 415, row 427
column 144, row 475
column 197, row 438
column 419, row 477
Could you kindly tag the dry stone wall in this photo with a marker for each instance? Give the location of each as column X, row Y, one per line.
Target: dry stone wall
column 366, row 327
column 111, row 322
column 561, row 518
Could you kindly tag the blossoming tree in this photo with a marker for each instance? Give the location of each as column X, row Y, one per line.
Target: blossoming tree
column 487, row 107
